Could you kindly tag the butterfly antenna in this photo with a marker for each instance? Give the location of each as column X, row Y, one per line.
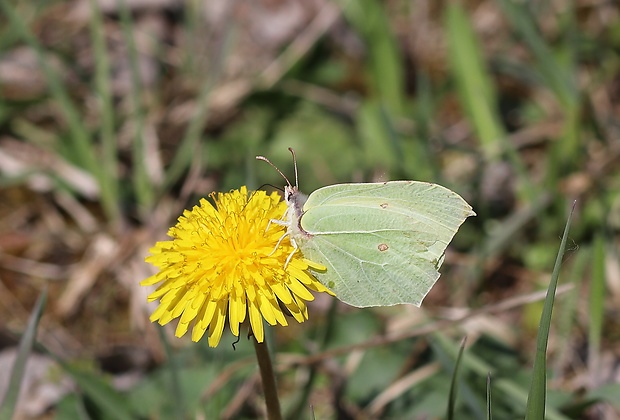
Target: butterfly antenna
column 290, row 149
column 279, row 171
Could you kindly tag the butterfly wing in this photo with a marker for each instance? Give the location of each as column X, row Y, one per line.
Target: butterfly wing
column 382, row 243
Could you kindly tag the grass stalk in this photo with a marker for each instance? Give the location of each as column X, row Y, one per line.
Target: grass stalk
column 536, row 400
column 596, row 305
column 9, row 402
column 489, row 404
column 81, row 144
column 143, row 187
column 175, row 382
column 103, row 91
column 454, row 382
column 478, row 96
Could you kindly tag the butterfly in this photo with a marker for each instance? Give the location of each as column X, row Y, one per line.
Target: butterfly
column 382, row 243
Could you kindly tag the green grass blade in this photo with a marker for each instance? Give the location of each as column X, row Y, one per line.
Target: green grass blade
column 175, row 382
column 596, row 309
column 449, row 354
column 143, row 187
column 325, row 334
column 381, row 143
column 384, row 63
column 477, row 94
column 57, row 88
column 453, row 382
column 517, row 397
column 384, row 69
column 188, row 146
column 569, row 309
column 103, row 90
column 538, row 388
column 9, row 402
column 473, row 81
column 489, row 406
column 113, row 405
column 83, row 149
column 423, row 159
column 553, row 73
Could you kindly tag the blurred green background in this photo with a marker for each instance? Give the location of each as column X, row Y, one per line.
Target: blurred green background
column 117, row 115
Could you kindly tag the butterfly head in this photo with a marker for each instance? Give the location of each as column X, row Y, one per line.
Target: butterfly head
column 294, row 199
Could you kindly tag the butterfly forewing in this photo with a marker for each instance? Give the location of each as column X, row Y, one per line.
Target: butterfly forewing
column 382, row 243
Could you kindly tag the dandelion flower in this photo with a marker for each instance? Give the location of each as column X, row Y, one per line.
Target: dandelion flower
column 223, row 260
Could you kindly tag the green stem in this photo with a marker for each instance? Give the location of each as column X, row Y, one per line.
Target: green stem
column 269, row 380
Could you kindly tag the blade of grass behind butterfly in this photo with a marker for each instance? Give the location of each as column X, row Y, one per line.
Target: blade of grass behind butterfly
column 537, row 395
column 511, row 393
column 567, row 309
column 554, row 73
column 301, row 402
column 9, row 402
column 478, row 97
column 175, row 381
column 185, row 153
column 502, row 236
column 515, row 396
column 97, row 389
column 453, row 382
column 425, row 162
column 144, row 187
column 451, row 358
column 81, row 147
column 596, row 308
column 384, row 65
column 489, row 409
column 384, row 69
column 103, row 92
column 382, row 145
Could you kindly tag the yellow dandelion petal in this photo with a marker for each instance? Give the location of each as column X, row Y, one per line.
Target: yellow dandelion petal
column 199, row 330
column 269, row 301
column 182, row 328
column 216, row 327
column 266, row 310
column 298, row 309
column 313, row 265
column 223, row 262
column 256, row 322
column 191, row 310
column 157, row 313
column 236, row 311
column 299, row 289
column 282, row 292
column 151, row 280
column 207, row 316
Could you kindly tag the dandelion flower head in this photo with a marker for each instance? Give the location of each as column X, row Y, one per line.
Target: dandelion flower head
column 224, row 261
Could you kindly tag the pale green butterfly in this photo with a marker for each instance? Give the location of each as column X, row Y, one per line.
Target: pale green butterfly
column 382, row 243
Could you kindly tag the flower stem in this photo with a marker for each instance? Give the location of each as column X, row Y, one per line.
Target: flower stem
column 269, row 380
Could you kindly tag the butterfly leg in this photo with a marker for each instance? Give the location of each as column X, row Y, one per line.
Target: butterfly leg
column 279, row 222
column 278, row 244
column 295, row 249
